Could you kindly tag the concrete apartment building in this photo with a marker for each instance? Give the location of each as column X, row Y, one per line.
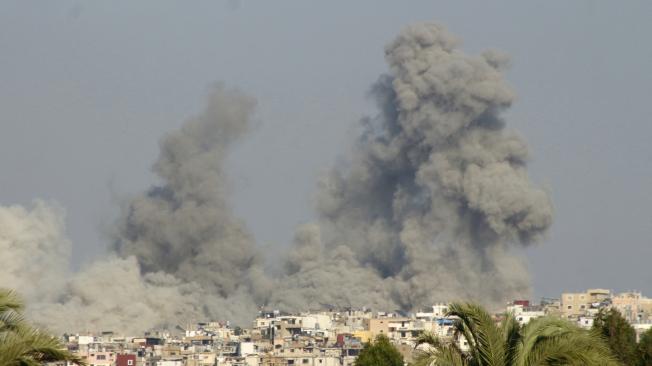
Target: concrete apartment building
column 633, row 306
column 331, row 338
column 377, row 326
column 99, row 358
column 523, row 312
column 125, row 360
column 405, row 330
column 438, row 310
column 576, row 304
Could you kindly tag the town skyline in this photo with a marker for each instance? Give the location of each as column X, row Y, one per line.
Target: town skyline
column 425, row 191
column 72, row 117
column 291, row 183
column 336, row 336
column 579, row 307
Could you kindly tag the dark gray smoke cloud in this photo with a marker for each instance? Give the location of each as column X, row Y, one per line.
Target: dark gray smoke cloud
column 432, row 204
column 435, row 190
column 179, row 256
column 185, row 226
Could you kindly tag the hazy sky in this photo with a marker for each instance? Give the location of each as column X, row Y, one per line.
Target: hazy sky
column 87, row 88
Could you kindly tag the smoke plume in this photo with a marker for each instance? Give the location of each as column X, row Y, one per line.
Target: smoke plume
column 34, row 250
column 432, row 204
column 185, row 227
column 435, row 190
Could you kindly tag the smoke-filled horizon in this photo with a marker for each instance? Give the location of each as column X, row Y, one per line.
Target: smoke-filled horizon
column 432, row 204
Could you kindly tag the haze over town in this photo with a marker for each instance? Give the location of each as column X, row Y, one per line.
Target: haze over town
column 213, row 155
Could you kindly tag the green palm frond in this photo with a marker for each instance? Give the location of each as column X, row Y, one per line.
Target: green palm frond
column 23, row 345
column 11, row 321
column 10, row 301
column 543, row 341
column 450, row 356
column 547, row 341
column 428, row 338
column 511, row 330
column 466, row 330
column 487, row 338
column 31, row 346
column 437, row 352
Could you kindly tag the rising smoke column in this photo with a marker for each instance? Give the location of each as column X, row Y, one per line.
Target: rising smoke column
column 110, row 294
column 432, row 205
column 34, row 249
column 185, row 227
column 436, row 190
column 179, row 254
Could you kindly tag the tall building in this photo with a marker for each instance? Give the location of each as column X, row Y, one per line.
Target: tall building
column 633, row 306
column 574, row 305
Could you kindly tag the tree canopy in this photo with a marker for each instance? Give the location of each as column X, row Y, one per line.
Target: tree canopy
column 645, row 348
column 20, row 343
column 543, row 341
column 619, row 334
column 379, row 353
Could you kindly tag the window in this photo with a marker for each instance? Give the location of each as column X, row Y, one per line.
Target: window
column 130, row 362
column 101, row 357
column 570, row 307
column 305, row 360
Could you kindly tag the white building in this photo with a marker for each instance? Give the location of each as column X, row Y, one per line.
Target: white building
column 524, row 314
column 170, row 362
column 585, row 321
column 246, row 349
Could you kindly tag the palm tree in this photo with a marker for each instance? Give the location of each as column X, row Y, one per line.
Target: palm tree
column 543, row 341
column 20, row 343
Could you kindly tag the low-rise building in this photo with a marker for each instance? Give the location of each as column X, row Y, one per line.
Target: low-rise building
column 575, row 304
column 635, row 307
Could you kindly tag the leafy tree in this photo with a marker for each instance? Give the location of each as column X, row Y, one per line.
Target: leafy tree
column 379, row 353
column 645, row 348
column 20, row 343
column 543, row 341
column 620, row 335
